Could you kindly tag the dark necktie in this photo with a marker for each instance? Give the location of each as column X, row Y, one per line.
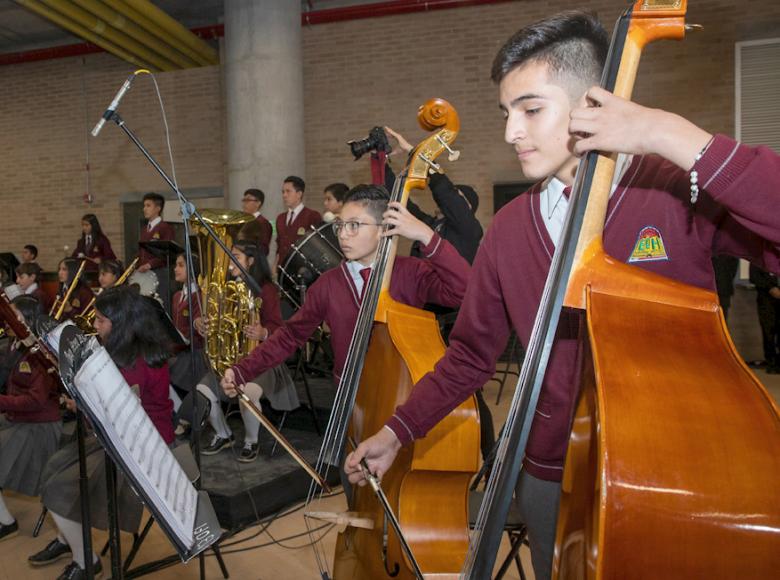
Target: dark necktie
column 365, row 273
column 567, row 191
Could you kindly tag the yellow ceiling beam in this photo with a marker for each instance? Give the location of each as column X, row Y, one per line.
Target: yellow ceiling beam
column 100, row 27
column 64, row 22
column 157, row 22
column 132, row 29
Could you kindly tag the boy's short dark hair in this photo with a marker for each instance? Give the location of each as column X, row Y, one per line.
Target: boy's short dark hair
column 373, row 197
column 257, row 194
column 112, row 266
column 29, row 268
column 338, row 190
column 32, row 249
column 156, row 198
column 572, row 44
column 297, row 183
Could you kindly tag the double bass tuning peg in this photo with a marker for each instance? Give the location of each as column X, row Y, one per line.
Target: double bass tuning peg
column 453, row 154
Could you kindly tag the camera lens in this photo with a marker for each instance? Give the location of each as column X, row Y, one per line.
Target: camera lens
column 361, row 147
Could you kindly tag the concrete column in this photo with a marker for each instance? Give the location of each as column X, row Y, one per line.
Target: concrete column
column 263, row 63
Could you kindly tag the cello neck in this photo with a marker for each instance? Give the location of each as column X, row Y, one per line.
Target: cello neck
column 596, row 173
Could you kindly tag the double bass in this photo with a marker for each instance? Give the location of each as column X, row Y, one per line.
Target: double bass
column 392, row 347
column 673, row 461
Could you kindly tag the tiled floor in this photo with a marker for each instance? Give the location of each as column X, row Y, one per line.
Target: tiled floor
column 270, row 555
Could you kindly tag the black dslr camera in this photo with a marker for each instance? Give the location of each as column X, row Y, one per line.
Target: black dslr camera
column 376, row 141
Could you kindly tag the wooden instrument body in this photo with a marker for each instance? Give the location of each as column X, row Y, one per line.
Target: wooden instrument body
column 674, row 457
column 428, row 484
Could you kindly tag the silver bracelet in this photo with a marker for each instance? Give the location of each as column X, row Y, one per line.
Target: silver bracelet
column 695, row 174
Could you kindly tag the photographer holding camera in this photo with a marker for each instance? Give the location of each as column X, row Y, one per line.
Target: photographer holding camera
column 454, row 218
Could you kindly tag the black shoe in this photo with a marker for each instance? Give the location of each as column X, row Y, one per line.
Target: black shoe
column 217, row 444
column 50, row 554
column 8, row 530
column 248, row 453
column 74, row 572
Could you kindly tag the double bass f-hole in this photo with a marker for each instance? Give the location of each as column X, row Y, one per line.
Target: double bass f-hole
column 396, row 568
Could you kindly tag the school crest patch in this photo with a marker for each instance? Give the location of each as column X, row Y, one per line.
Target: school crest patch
column 156, row 235
column 185, row 312
column 301, row 231
column 649, row 246
column 24, row 367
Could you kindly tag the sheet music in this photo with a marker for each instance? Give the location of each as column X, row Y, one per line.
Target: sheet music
column 139, row 445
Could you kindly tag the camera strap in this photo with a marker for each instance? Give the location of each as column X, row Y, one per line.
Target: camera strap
column 378, row 160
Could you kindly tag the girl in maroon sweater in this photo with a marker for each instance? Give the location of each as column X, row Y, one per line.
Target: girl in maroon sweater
column 127, row 326
column 30, row 426
column 93, row 245
column 81, row 296
column 274, row 383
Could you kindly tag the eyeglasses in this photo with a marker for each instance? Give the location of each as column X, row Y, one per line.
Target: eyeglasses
column 351, row 228
column 250, row 200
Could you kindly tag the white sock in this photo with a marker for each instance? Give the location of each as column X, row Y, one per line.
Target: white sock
column 251, row 424
column 5, row 516
column 71, row 532
column 216, row 416
column 174, row 397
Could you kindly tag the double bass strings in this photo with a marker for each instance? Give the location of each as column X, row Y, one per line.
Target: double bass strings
column 335, row 433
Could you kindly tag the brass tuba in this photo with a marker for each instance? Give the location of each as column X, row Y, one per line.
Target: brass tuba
column 228, row 305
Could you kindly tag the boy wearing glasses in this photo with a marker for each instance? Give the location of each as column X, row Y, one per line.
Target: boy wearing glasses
column 335, row 297
column 252, row 202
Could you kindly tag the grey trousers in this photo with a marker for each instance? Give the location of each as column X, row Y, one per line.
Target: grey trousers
column 538, row 501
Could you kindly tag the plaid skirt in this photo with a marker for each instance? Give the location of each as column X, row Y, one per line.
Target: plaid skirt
column 25, row 448
column 62, row 494
column 277, row 384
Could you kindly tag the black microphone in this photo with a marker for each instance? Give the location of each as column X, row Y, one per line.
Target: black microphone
column 114, row 104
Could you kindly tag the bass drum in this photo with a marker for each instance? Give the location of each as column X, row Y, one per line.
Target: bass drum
column 310, row 257
column 147, row 283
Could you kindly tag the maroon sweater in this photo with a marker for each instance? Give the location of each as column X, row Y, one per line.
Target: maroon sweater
column 100, row 248
column 31, row 394
column 153, row 390
column 736, row 214
column 333, row 298
column 162, row 231
column 181, row 316
column 270, row 312
column 266, row 231
column 287, row 235
column 78, row 301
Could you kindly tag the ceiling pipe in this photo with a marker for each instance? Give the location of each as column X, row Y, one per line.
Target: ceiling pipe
column 174, row 29
column 130, row 28
column 101, row 28
column 77, row 29
column 155, row 29
column 310, row 18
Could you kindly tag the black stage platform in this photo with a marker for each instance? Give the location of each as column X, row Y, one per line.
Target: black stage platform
column 244, row 492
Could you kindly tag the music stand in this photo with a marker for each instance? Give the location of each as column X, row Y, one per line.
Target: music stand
column 8, row 264
column 165, row 250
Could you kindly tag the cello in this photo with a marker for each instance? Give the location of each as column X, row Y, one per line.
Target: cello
column 674, row 455
column 674, row 458
column 392, row 347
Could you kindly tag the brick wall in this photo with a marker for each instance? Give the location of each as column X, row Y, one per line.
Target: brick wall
column 48, row 109
column 357, row 74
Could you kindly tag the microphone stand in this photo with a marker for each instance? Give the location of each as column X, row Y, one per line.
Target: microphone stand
column 188, row 211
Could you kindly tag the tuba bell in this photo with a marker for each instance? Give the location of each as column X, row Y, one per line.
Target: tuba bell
column 228, row 305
